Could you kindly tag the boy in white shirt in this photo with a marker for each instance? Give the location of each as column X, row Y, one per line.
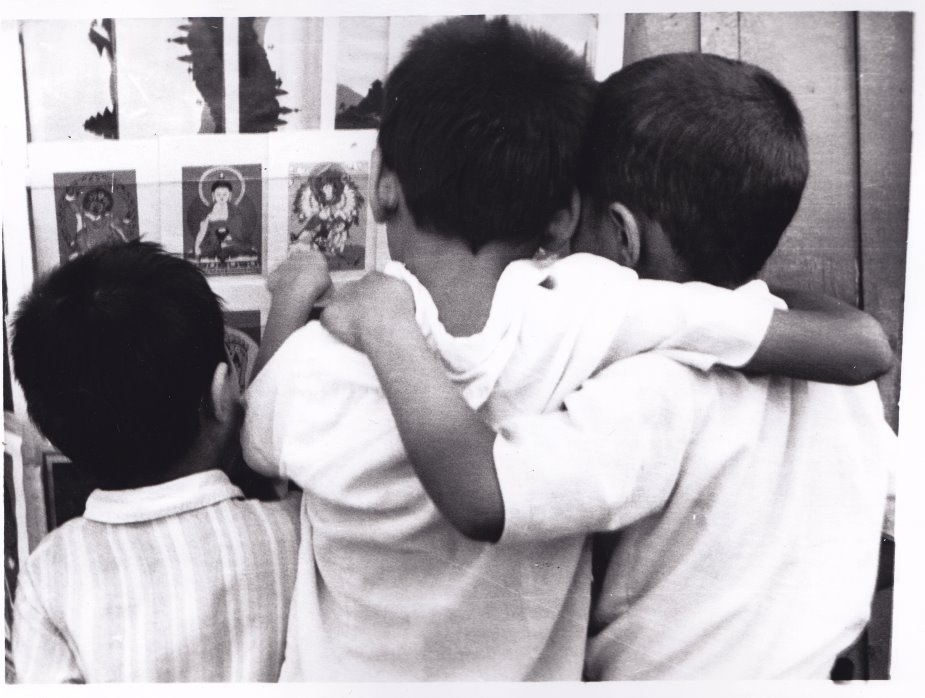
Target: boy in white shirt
column 478, row 155
column 749, row 507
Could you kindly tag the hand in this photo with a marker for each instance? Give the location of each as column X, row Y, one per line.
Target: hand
column 361, row 313
column 301, row 279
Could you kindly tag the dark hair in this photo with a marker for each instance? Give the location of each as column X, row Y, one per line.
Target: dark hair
column 710, row 148
column 219, row 183
column 115, row 352
column 483, row 123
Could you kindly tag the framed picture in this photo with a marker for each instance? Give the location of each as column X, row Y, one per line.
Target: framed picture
column 280, row 78
column 72, row 63
column 222, row 222
column 66, row 489
column 171, row 76
column 76, row 207
column 367, row 49
column 213, row 206
column 319, row 195
column 242, row 341
column 94, row 208
column 327, row 210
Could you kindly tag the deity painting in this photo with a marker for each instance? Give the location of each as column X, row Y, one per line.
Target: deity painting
column 95, row 208
column 222, row 230
column 242, row 340
column 327, row 209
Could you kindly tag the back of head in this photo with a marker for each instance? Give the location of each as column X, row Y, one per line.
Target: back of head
column 483, row 124
column 115, row 352
column 710, row 148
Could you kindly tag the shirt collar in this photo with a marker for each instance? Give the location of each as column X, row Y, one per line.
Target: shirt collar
column 157, row 501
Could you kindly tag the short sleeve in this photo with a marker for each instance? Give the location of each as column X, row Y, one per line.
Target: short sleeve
column 41, row 653
column 701, row 324
column 611, row 456
column 266, row 404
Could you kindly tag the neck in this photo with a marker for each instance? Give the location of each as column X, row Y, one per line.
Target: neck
column 209, row 451
column 462, row 284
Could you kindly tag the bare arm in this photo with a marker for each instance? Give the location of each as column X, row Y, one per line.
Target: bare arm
column 822, row 339
column 295, row 286
column 449, row 446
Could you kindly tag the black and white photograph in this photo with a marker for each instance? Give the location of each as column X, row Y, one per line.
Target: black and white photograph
column 491, row 344
column 280, row 73
column 171, row 76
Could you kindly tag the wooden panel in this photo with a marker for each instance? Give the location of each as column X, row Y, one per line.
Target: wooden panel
column 885, row 138
column 813, row 54
column 652, row 34
column 719, row 33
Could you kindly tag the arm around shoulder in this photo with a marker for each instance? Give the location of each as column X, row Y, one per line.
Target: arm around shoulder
column 823, row 339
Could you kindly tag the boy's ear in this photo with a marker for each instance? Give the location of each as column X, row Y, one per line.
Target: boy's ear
column 563, row 225
column 385, row 191
column 625, row 228
column 224, row 394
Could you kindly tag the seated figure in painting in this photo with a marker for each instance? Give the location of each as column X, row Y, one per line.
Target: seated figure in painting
column 221, row 233
column 170, row 574
column 479, row 153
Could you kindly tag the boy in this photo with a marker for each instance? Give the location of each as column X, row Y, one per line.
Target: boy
column 170, row 575
column 478, row 154
column 749, row 507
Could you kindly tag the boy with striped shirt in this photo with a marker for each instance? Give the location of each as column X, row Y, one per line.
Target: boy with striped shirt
column 170, row 574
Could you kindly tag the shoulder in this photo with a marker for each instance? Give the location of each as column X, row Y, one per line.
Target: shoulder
column 51, row 553
column 312, row 352
column 583, row 269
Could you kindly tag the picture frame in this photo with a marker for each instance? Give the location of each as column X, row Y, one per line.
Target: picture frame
column 115, row 197
column 65, row 489
column 300, row 210
column 223, row 237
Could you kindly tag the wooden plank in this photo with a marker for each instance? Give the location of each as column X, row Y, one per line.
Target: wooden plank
column 651, row 34
column 885, row 138
column 813, row 54
column 719, row 33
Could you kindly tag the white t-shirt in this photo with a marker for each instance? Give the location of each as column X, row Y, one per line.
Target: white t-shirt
column 386, row 588
column 750, row 510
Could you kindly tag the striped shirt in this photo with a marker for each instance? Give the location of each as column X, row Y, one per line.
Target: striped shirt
column 182, row 581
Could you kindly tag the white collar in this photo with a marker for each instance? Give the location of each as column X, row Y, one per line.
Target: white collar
column 157, row 501
column 476, row 361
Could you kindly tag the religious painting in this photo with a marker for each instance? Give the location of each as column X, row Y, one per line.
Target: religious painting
column 70, row 69
column 171, row 76
column 222, row 227
column 327, row 210
column 279, row 73
column 67, row 489
column 94, row 208
column 242, row 340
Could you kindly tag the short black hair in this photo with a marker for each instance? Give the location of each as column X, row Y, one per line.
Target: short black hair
column 115, row 351
column 219, row 183
column 712, row 149
column 483, row 124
